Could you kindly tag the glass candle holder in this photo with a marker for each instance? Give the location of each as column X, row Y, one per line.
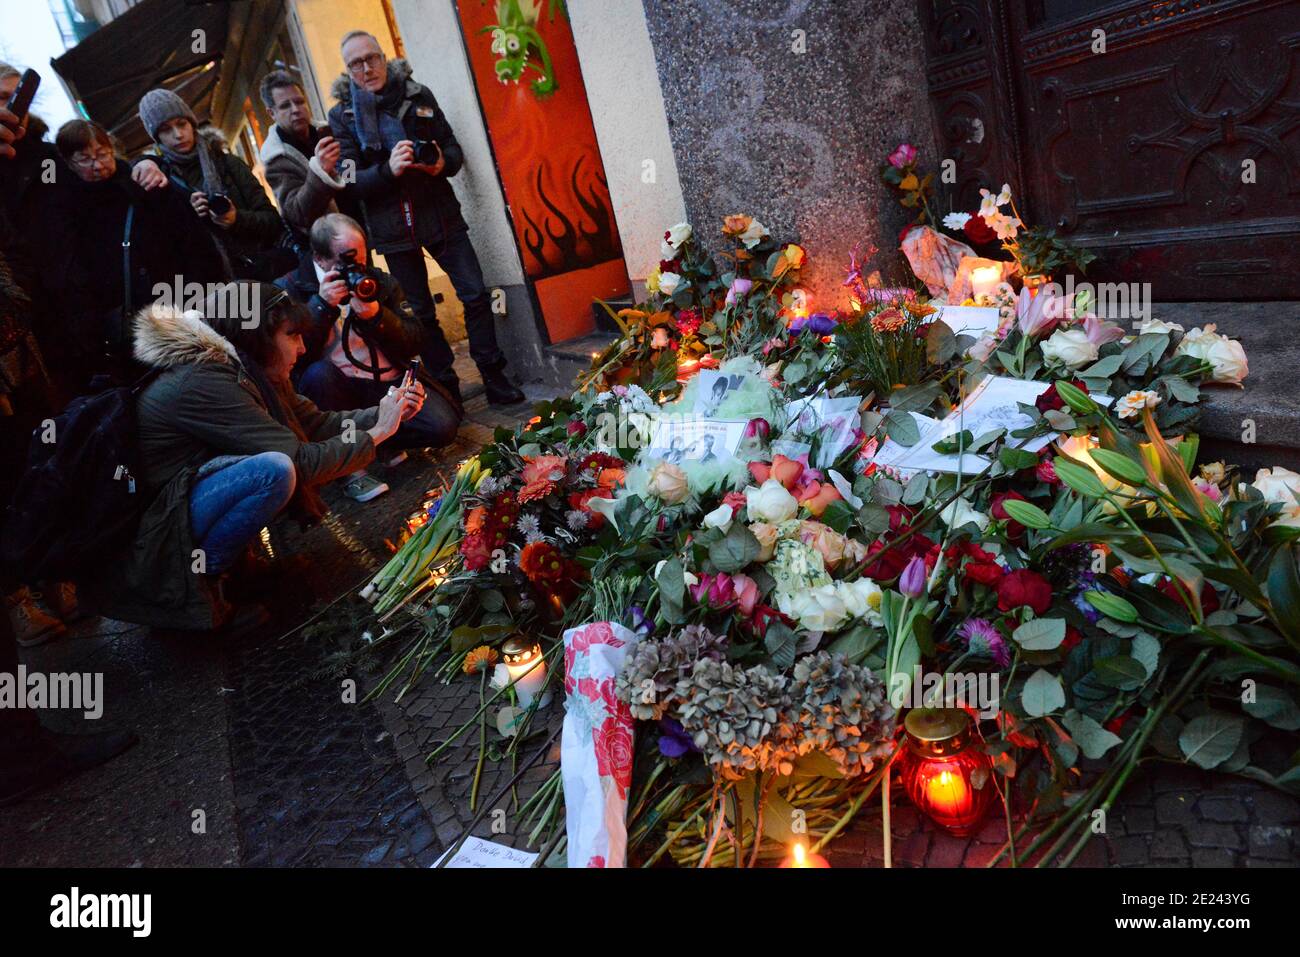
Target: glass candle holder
column 945, row 773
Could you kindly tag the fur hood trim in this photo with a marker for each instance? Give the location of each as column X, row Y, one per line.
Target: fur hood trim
column 274, row 147
column 166, row 337
column 341, row 89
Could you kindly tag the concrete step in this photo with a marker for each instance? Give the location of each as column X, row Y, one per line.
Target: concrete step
column 1269, row 403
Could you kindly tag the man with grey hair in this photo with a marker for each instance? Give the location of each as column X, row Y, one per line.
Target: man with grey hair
column 301, row 160
column 405, row 153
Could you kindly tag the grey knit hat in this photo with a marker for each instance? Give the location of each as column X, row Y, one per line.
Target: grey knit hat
column 158, row 106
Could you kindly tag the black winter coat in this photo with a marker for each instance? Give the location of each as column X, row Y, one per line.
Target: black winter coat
column 434, row 212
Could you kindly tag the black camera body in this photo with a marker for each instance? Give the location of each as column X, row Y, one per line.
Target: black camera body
column 219, row 203
column 361, row 280
column 426, row 151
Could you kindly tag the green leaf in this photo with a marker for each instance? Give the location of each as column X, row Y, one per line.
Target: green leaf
column 1040, row 634
column 780, row 642
column 1146, row 649
column 734, row 550
column 1210, row 739
column 1017, row 459
column 1026, row 513
column 1091, row 737
column 1079, row 477
column 1112, row 606
column 1120, row 466
column 1283, row 586
column 902, row 428
column 1102, row 368
column 1120, row 671
column 466, row 636
column 1274, row 706
column 1042, row 694
column 917, row 486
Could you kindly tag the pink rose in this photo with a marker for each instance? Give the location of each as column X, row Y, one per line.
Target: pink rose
column 906, row 153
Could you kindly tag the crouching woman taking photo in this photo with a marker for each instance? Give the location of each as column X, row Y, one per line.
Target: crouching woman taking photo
column 225, row 446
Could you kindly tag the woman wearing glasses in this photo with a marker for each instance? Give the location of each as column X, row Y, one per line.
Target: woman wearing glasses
column 87, row 264
column 226, row 446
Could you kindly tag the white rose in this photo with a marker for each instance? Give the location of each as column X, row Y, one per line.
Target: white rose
column 1227, row 359
column 676, row 236
column 1070, row 348
column 1278, row 485
column 1156, row 325
column 1130, row 406
column 770, row 503
column 862, row 600
column 960, row 513
column 669, row 283
column 816, row 609
column 720, row 517
column 754, row 234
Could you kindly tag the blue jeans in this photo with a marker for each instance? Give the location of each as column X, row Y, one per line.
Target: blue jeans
column 460, row 262
column 233, row 499
column 432, row 427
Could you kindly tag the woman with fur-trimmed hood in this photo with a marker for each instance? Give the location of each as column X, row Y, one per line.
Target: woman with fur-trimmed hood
column 226, row 445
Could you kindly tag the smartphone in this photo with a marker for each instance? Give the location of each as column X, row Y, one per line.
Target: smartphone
column 21, row 101
column 412, row 373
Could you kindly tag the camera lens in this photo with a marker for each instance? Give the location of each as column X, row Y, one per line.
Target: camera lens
column 219, row 203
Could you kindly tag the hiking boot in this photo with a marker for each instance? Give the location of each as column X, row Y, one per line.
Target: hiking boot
column 32, row 624
column 59, row 756
column 499, row 389
column 362, row 487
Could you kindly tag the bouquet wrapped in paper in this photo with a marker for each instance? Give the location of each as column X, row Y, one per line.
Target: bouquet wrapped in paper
column 596, row 746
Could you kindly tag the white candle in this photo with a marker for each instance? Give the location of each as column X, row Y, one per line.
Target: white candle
column 984, row 281
column 527, row 668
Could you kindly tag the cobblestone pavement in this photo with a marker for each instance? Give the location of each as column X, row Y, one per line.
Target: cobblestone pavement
column 256, row 735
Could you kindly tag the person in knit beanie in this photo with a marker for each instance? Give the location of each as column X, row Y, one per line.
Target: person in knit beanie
column 222, row 189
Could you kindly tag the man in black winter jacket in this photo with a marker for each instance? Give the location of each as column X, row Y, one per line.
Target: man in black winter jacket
column 404, row 152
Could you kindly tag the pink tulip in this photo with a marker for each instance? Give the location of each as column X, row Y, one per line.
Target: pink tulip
column 746, row 590
column 912, row 582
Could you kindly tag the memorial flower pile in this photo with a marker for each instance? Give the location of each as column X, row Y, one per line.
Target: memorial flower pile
column 839, row 517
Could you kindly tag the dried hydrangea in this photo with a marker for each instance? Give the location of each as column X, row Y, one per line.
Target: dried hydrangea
column 734, row 717
column 841, row 710
column 653, row 668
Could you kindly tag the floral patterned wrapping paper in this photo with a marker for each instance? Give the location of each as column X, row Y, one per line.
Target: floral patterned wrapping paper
column 596, row 745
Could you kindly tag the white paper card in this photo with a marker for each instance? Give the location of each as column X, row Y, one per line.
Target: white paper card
column 970, row 320
column 476, row 852
column 679, row 439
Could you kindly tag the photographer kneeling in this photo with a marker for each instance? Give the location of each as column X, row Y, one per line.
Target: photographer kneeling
column 361, row 340
column 225, row 446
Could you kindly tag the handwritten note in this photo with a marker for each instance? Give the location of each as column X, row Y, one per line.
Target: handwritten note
column 476, row 852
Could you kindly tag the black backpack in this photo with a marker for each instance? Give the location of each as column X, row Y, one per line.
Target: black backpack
column 78, row 501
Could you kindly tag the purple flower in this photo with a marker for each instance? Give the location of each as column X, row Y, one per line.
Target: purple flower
column 673, row 739
column 819, row 323
column 640, row 622
column 985, row 641
column 912, row 582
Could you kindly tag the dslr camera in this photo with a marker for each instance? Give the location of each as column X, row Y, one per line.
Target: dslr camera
column 427, row 150
column 361, row 281
column 219, row 203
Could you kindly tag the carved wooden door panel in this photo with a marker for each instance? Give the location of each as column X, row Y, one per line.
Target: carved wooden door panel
column 1174, row 154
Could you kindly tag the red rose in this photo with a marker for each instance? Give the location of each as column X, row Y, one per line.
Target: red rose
column 1116, row 724
column 1024, row 588
column 1045, row 471
column 1209, row 597
column 978, row 231
column 1014, row 529
column 986, row 573
column 576, row 427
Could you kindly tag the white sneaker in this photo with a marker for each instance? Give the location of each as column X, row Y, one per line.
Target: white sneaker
column 32, row 624
column 396, row 460
column 363, row 487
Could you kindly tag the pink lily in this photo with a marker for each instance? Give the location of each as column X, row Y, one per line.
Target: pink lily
column 1037, row 315
column 1102, row 331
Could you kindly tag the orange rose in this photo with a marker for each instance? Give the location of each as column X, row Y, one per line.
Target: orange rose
column 816, row 496
column 736, row 224
column 825, row 540
column 767, row 535
column 786, row 471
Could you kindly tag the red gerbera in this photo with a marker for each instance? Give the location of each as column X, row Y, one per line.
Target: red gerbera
column 542, row 562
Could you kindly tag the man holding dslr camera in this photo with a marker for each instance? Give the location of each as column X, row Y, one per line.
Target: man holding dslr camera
column 362, row 341
column 404, row 152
